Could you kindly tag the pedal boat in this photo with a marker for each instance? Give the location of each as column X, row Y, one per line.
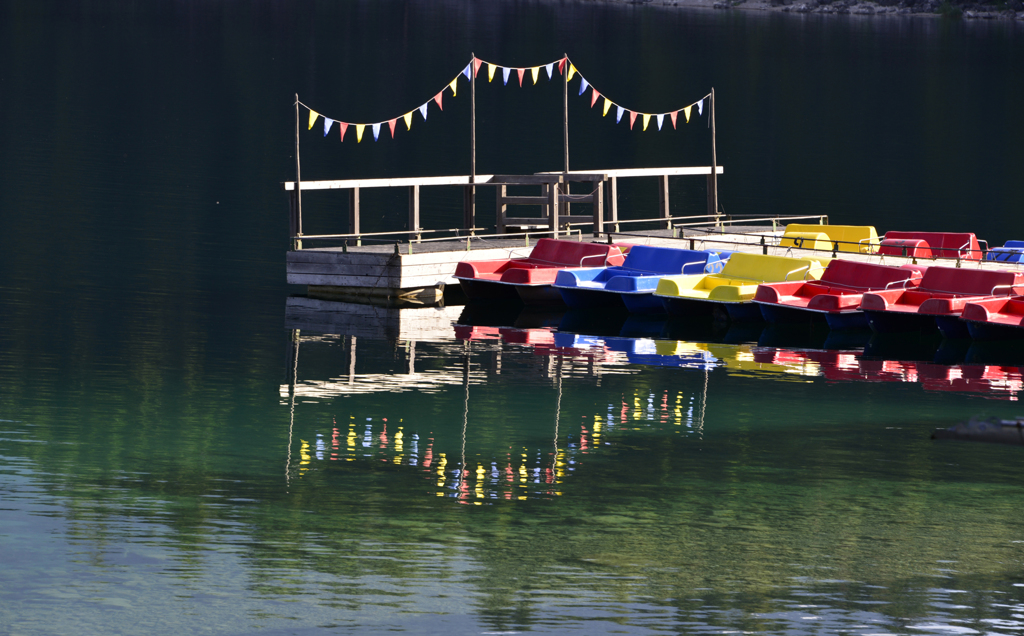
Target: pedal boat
column 995, row 318
column 732, row 290
column 530, row 279
column 633, row 283
column 836, row 296
column 1011, row 252
column 938, row 300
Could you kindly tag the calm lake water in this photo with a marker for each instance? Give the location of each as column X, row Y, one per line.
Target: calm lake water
column 175, row 458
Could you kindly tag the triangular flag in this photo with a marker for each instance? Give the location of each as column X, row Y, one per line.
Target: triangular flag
column 535, row 71
column 700, row 107
column 583, row 84
column 359, row 132
column 504, row 73
column 672, row 116
column 490, row 71
column 453, row 85
column 647, row 120
column 572, row 71
column 632, row 118
column 437, row 98
column 561, row 65
column 550, row 68
column 312, row 117
column 408, row 120
column 607, row 105
column 391, row 125
column 661, row 118
column 593, row 98
column 467, row 72
column 423, row 110
column 521, row 71
column 327, row 125
column 476, row 65
column 343, row 127
column 686, row 111
column 376, row 131
column 618, row 113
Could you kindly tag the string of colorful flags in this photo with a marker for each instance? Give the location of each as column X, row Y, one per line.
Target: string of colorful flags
column 471, row 71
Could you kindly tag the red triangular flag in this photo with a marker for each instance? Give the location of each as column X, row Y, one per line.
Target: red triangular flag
column 391, row 123
column 437, row 98
column 343, row 126
column 673, row 117
column 593, row 97
column 632, row 118
column 521, row 71
column 561, row 65
column 476, row 65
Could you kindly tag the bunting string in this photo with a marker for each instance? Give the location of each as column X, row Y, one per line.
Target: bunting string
column 471, row 71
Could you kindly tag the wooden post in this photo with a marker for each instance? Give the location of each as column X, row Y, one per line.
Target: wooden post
column 713, row 189
column 414, row 209
column 553, row 220
column 472, row 141
column 501, row 208
column 613, row 196
column 565, row 129
column 353, row 211
column 663, row 201
column 298, row 181
column 598, row 209
column 467, row 207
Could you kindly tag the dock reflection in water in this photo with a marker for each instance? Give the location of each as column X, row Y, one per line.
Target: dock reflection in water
column 431, row 350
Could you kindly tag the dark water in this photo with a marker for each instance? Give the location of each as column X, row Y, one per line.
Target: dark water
column 167, row 467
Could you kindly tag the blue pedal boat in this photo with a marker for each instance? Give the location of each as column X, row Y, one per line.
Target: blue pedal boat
column 633, row 283
column 1011, row 252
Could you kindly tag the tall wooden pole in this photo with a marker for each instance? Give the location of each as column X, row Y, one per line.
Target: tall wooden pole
column 714, row 162
column 565, row 110
column 298, row 179
column 472, row 140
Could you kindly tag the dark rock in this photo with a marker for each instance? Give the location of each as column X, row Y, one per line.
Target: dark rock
column 722, row 5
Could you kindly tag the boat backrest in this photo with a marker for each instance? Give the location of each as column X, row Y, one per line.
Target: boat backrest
column 1014, row 244
column 969, row 282
column 665, row 260
column 555, row 253
column 867, row 275
column 945, row 244
column 762, row 267
column 851, row 238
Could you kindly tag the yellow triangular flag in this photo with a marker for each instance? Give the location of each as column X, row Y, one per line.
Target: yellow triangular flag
column 647, row 120
column 686, row 111
column 312, row 117
column 607, row 105
column 408, row 120
column 453, row 84
column 572, row 71
column 536, row 73
column 359, row 132
column 490, row 71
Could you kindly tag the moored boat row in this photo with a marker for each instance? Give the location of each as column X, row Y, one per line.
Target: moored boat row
column 741, row 286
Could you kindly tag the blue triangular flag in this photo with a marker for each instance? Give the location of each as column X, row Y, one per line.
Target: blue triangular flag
column 550, row 68
column 618, row 114
column 700, row 107
column 376, row 131
column 466, row 71
column 660, row 119
column 327, row 125
column 583, row 85
column 423, row 111
column 504, row 73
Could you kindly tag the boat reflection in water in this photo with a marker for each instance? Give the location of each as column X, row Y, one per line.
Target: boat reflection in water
column 457, row 353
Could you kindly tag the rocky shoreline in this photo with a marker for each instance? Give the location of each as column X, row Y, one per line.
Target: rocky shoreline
column 1003, row 10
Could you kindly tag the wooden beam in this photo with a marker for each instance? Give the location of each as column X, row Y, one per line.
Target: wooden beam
column 414, row 208
column 598, row 210
column 552, row 207
column 663, row 200
column 632, row 172
column 501, row 209
column 353, row 211
column 524, row 179
column 347, row 184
